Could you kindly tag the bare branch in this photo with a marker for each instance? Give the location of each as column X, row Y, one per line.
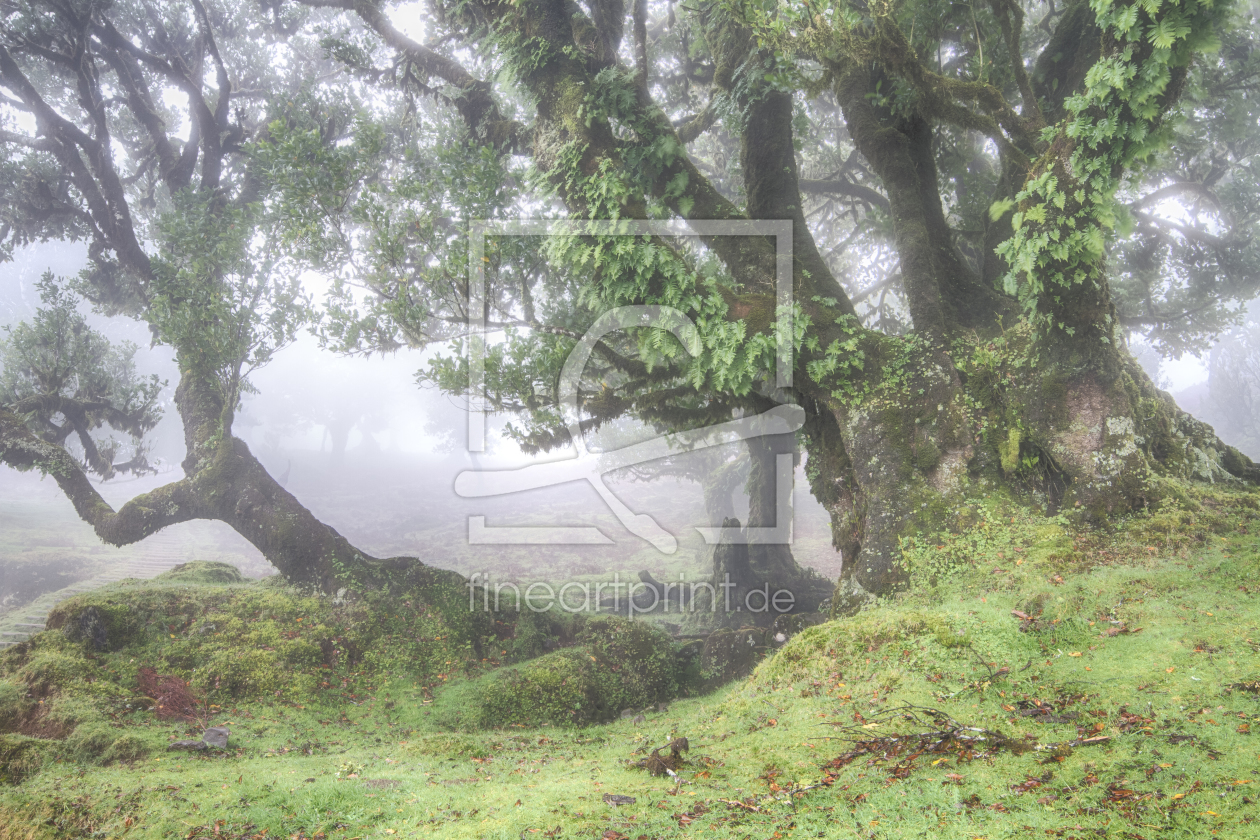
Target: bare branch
column 474, row 101
column 96, row 179
column 840, row 186
column 1185, row 230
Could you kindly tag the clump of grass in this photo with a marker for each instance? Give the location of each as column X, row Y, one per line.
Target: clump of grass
column 101, row 743
column 20, row 756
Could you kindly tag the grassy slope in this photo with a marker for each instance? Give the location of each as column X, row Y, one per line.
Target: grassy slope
column 1188, row 577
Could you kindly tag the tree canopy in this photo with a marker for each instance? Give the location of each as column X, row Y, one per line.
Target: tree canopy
column 987, row 200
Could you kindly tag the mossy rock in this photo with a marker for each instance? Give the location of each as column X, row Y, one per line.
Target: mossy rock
column 89, row 626
column 789, row 624
column 202, row 572
column 615, row 664
column 20, row 756
column 241, row 641
column 99, row 622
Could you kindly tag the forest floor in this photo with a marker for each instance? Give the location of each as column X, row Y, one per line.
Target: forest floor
column 1038, row 680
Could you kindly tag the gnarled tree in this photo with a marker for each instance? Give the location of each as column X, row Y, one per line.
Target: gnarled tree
column 975, row 194
column 127, row 126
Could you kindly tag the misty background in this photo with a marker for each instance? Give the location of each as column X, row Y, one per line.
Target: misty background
column 373, row 455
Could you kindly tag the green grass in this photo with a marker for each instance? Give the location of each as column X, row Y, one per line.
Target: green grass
column 380, row 758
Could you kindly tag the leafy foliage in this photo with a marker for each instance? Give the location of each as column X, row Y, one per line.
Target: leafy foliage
column 66, row 378
column 1067, row 206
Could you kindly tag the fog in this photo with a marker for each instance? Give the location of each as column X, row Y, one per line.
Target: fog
column 369, row 452
column 375, row 456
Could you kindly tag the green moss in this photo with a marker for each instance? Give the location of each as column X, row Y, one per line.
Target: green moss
column 926, row 455
column 1009, row 451
column 237, row 641
column 202, row 572
column 89, row 743
column 13, row 704
column 52, row 666
column 20, row 756
column 1054, row 394
column 101, row 743
column 615, row 664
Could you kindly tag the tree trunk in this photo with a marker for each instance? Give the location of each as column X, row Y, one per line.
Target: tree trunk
column 339, row 430
column 962, row 404
column 771, row 565
column 719, row 486
column 225, row 482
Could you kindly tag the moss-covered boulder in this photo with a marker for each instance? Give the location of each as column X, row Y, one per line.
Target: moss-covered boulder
column 614, row 664
column 233, row 640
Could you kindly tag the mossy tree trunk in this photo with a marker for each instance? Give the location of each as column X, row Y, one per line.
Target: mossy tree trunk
column 212, row 182
column 901, row 427
column 224, row 482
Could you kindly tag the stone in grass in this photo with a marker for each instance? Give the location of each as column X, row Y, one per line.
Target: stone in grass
column 195, row 746
column 215, row 736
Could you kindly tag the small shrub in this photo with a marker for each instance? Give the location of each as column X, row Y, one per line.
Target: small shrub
column 617, row 664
